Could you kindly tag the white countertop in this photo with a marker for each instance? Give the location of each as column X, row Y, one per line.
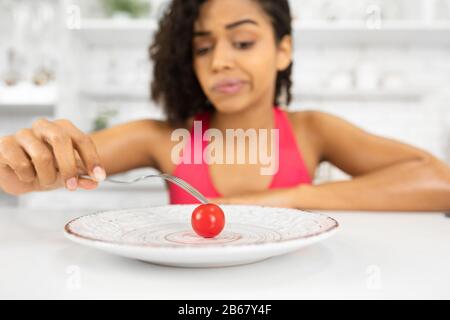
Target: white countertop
column 374, row 255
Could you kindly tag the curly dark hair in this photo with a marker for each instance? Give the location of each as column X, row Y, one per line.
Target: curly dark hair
column 174, row 82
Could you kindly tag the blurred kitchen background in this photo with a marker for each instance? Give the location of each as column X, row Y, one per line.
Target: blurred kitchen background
column 381, row 64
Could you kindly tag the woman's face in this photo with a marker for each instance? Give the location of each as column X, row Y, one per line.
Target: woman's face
column 236, row 58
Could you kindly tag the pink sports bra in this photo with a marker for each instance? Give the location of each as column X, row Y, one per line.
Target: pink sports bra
column 292, row 170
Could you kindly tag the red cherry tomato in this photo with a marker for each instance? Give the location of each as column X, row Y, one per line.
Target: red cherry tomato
column 208, row 220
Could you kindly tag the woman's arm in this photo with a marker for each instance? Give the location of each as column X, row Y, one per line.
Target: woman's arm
column 412, row 185
column 128, row 146
column 387, row 175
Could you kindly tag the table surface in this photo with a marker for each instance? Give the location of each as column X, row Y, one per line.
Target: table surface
column 373, row 256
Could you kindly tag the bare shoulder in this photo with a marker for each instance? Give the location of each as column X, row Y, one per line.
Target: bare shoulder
column 304, row 118
column 307, row 136
column 308, row 122
column 322, row 129
column 329, row 132
column 315, row 120
column 322, row 125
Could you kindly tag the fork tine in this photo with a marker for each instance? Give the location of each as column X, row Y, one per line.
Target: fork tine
column 187, row 186
column 192, row 189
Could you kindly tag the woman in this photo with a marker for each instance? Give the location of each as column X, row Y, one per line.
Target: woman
column 227, row 64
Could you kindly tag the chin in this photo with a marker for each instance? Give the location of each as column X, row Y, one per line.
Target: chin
column 231, row 105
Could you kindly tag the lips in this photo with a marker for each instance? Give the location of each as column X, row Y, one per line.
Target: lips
column 229, row 86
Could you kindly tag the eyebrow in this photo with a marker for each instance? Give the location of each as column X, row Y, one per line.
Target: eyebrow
column 228, row 27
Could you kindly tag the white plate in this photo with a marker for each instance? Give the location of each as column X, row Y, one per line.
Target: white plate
column 163, row 235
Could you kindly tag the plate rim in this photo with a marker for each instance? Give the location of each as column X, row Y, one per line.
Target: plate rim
column 81, row 238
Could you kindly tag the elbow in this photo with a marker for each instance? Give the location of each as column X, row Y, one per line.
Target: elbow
column 438, row 171
column 437, row 177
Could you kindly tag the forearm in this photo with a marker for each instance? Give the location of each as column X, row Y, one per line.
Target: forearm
column 125, row 146
column 407, row 186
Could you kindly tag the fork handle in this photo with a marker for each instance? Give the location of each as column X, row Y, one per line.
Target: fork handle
column 182, row 184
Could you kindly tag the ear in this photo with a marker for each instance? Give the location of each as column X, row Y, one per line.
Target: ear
column 284, row 53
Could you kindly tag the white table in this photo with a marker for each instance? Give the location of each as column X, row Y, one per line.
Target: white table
column 375, row 255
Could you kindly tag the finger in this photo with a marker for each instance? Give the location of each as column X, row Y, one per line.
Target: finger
column 87, row 184
column 14, row 186
column 41, row 156
column 12, row 154
column 86, row 149
column 82, row 170
column 63, row 150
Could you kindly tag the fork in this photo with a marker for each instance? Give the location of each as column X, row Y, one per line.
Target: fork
column 178, row 181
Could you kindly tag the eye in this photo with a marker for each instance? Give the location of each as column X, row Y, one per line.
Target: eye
column 202, row 51
column 240, row 45
column 244, row 45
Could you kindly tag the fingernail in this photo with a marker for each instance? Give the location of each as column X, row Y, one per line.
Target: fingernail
column 72, row 184
column 99, row 174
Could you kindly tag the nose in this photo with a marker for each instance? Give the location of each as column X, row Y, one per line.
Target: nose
column 222, row 58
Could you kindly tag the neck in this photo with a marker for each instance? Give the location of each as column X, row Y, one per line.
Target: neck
column 255, row 117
